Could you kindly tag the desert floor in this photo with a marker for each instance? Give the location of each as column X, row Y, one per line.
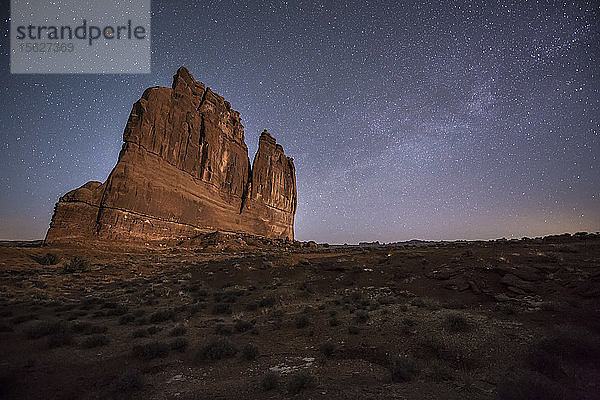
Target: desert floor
column 228, row 318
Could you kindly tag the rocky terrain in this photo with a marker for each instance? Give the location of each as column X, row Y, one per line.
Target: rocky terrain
column 222, row 316
column 183, row 170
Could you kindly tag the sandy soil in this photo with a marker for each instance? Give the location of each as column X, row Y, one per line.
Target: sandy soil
column 232, row 319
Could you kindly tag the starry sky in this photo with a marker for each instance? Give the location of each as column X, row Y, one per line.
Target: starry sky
column 431, row 120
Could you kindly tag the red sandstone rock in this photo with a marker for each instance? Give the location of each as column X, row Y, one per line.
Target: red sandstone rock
column 183, row 170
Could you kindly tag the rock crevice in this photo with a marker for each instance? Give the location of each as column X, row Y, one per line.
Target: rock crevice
column 183, row 169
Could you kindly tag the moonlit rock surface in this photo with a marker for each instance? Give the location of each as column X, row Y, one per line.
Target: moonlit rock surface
column 183, row 170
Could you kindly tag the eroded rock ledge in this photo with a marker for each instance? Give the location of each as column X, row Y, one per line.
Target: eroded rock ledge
column 183, row 170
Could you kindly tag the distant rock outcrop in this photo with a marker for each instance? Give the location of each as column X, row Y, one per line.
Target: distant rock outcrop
column 183, row 170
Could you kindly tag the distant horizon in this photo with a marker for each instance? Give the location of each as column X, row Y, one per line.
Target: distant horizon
column 390, row 242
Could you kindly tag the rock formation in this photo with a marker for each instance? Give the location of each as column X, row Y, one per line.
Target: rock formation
column 183, row 170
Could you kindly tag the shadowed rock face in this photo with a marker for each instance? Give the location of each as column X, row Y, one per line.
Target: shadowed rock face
column 183, row 170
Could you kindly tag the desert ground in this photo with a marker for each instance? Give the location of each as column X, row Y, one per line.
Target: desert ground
column 234, row 317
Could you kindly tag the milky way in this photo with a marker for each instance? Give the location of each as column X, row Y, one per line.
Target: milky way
column 434, row 120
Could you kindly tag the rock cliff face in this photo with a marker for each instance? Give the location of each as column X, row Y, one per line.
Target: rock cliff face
column 183, row 170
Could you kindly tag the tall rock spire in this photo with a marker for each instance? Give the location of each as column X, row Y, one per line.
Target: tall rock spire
column 183, row 170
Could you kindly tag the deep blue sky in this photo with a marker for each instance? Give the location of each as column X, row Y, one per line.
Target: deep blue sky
column 431, row 120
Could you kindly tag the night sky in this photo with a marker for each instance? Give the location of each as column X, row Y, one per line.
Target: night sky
column 433, row 120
